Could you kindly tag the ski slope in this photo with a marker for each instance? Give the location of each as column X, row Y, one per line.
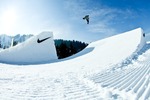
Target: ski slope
column 113, row 68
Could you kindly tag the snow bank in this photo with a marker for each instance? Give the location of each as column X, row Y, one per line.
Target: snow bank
column 31, row 52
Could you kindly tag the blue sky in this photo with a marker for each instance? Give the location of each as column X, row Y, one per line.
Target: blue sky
column 64, row 17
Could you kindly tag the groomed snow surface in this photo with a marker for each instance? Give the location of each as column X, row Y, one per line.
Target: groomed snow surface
column 113, row 68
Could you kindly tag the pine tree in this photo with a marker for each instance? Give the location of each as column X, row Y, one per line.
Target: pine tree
column 15, row 43
column 66, row 48
column 72, row 49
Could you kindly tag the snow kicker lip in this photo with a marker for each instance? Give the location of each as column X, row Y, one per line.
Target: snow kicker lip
column 40, row 41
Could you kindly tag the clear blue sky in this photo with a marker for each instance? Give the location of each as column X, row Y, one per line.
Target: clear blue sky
column 64, row 17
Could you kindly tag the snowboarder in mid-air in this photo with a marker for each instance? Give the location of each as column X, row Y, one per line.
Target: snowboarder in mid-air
column 87, row 18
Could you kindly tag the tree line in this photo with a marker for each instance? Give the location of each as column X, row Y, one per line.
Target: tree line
column 66, row 48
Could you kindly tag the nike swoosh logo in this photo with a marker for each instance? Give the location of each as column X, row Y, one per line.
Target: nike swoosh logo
column 39, row 41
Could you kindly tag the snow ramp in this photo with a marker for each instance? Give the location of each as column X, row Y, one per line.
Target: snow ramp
column 110, row 51
column 37, row 49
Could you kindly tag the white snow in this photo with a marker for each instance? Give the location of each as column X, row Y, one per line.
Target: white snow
column 31, row 52
column 93, row 74
column 147, row 38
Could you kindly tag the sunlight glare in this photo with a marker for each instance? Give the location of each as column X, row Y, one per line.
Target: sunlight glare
column 8, row 20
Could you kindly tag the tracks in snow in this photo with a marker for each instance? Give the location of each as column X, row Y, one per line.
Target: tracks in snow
column 133, row 79
column 117, row 83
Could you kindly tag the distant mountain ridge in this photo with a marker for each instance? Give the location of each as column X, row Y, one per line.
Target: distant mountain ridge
column 8, row 41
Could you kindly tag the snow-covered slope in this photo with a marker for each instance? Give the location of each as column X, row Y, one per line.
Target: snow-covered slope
column 30, row 51
column 88, row 75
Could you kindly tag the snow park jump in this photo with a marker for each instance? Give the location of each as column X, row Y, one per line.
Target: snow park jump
column 37, row 49
column 115, row 68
